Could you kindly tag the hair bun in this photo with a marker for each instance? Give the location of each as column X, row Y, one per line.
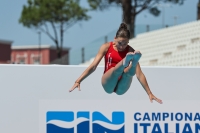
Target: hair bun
column 123, row 31
column 123, row 26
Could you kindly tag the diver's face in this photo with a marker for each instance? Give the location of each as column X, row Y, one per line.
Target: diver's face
column 121, row 43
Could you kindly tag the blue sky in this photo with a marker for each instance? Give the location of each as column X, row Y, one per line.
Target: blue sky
column 82, row 33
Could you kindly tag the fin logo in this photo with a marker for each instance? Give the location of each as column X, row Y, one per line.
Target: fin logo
column 65, row 122
column 100, row 124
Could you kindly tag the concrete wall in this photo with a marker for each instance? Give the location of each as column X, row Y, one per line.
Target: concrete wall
column 23, row 88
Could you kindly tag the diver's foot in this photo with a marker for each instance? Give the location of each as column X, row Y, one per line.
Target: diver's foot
column 127, row 59
column 136, row 58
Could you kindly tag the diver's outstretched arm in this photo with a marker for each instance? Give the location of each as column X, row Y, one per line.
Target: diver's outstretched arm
column 91, row 68
column 142, row 79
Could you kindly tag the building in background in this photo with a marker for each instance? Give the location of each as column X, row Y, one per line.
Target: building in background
column 5, row 51
column 44, row 54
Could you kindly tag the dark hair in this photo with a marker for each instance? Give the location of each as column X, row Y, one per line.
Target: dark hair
column 123, row 31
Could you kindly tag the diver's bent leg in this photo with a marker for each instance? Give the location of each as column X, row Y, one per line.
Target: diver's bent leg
column 124, row 84
column 110, row 78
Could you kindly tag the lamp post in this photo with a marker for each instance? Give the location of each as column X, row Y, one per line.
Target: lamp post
column 39, row 43
column 83, row 54
column 163, row 12
column 175, row 19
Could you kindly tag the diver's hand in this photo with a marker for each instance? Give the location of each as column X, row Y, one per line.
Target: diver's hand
column 76, row 85
column 137, row 51
column 152, row 97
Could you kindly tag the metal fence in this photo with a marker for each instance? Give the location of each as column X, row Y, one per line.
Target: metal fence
column 80, row 55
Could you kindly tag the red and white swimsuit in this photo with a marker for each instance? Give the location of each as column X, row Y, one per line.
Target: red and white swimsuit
column 112, row 57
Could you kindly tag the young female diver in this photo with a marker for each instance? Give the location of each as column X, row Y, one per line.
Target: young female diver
column 121, row 64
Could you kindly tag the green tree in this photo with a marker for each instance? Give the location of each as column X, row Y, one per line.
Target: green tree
column 53, row 17
column 131, row 8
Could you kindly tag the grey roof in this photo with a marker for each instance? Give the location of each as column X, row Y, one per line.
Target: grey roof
column 37, row 47
column 5, row 41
